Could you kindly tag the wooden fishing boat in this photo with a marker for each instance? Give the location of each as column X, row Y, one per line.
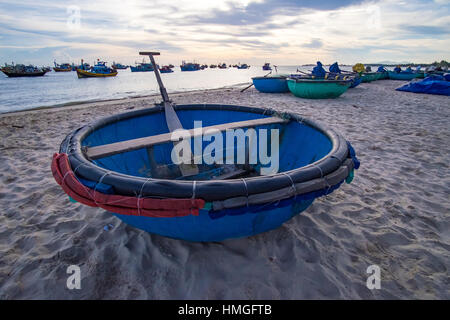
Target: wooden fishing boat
column 165, row 69
column 243, row 66
column 123, row 164
column 267, row 66
column 100, row 70
column 271, row 84
column 20, row 70
column 402, row 75
column 65, row 67
column 189, row 66
column 317, row 88
column 119, row 66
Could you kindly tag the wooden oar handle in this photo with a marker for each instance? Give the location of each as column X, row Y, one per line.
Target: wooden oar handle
column 149, row 53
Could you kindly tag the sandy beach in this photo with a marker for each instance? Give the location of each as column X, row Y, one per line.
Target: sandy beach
column 395, row 214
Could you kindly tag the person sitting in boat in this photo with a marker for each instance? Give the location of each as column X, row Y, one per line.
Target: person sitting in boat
column 334, row 68
column 381, row 69
column 368, row 69
column 409, row 70
column 397, row 69
column 318, row 71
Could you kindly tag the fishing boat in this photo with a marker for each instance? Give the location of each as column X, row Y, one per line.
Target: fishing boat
column 20, row 70
column 243, row 66
column 222, row 66
column 118, row 66
column 165, row 69
column 99, row 70
column 122, row 164
column 65, row 67
column 402, row 75
column 317, row 88
column 267, row 66
column 189, row 66
column 213, row 66
column 271, row 84
column 142, row 67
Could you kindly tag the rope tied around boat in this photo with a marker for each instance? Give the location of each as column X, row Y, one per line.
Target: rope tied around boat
column 126, row 205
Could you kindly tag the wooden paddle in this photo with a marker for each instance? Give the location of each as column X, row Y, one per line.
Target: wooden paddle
column 252, row 83
column 172, row 120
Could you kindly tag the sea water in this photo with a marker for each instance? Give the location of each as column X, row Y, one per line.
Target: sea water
column 58, row 88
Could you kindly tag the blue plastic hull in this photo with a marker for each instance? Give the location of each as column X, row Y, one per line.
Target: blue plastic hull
column 204, row 228
column 356, row 82
column 270, row 85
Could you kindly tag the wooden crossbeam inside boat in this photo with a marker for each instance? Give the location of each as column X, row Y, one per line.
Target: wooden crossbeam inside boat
column 139, row 143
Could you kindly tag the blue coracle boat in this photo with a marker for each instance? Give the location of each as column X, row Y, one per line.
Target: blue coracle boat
column 123, row 163
column 275, row 84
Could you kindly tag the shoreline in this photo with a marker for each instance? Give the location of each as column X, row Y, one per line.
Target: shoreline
column 87, row 103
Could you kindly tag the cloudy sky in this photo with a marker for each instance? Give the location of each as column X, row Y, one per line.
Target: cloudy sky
column 284, row 32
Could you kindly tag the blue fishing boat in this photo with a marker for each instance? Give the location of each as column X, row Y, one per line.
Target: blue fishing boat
column 165, row 69
column 99, row 70
column 271, row 84
column 65, row 67
column 118, row 66
column 189, row 66
column 243, row 66
column 20, row 70
column 122, row 164
column 267, row 66
column 142, row 67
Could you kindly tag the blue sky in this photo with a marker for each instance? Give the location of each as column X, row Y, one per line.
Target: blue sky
column 285, row 32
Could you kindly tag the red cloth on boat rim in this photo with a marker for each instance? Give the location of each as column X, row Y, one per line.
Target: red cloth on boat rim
column 126, row 205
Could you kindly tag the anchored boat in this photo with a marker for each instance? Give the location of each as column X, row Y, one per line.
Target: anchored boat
column 123, row 164
column 118, row 66
column 189, row 66
column 20, row 70
column 100, row 70
column 267, row 66
column 65, row 67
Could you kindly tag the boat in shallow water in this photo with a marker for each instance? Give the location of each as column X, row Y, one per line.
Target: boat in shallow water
column 318, row 88
column 189, row 66
column 122, row 164
column 100, row 70
column 65, row 67
column 20, row 70
column 266, row 66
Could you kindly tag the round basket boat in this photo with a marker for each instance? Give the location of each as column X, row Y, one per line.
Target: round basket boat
column 144, row 188
column 318, row 88
column 275, row 84
column 402, row 75
column 370, row 76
